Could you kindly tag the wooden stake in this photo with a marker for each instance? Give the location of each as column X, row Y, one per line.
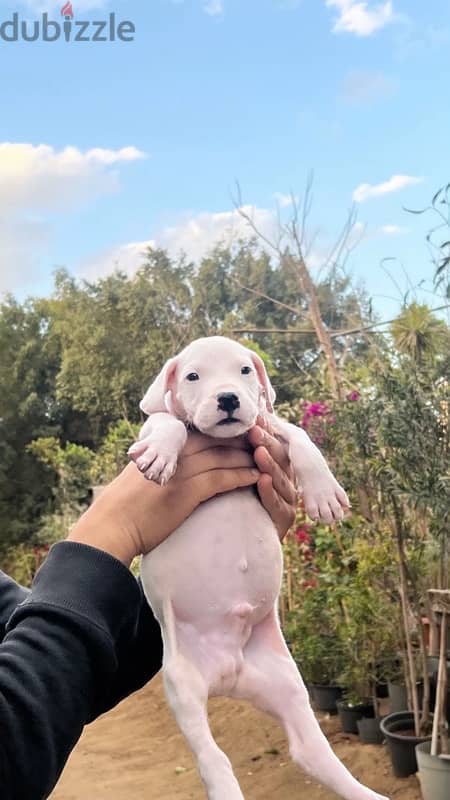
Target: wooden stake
column 439, row 722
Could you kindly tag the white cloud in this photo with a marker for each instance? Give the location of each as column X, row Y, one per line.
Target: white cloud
column 394, row 230
column 366, row 190
column 285, row 200
column 126, row 257
column 194, row 235
column 198, row 234
column 42, row 178
column 361, row 18
column 214, row 8
column 38, row 180
column 365, row 86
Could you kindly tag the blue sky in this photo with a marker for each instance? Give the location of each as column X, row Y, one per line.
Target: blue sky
column 107, row 146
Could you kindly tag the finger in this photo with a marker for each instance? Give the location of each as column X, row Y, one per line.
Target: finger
column 260, row 438
column 281, row 482
column 218, row 481
column 281, row 513
column 197, row 442
column 264, row 423
column 212, row 459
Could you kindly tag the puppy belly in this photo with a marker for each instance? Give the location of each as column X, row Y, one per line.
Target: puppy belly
column 221, row 570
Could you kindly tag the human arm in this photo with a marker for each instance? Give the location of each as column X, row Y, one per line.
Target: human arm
column 11, row 594
column 85, row 637
column 60, row 659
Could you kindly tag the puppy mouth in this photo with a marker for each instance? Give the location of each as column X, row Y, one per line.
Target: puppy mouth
column 228, row 421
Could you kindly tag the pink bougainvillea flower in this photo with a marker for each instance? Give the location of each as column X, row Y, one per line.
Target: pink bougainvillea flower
column 302, row 535
column 310, row 584
column 353, row 396
column 318, row 409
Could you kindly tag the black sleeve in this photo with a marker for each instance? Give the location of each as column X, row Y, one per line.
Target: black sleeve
column 79, row 642
column 11, row 594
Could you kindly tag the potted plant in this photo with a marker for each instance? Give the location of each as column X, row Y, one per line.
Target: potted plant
column 433, row 757
column 313, row 615
column 319, row 662
column 318, row 654
column 368, row 633
column 394, row 444
column 353, row 708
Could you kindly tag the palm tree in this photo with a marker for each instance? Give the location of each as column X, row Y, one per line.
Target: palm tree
column 418, row 333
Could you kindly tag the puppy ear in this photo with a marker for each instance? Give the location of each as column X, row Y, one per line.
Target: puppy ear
column 269, row 391
column 158, row 395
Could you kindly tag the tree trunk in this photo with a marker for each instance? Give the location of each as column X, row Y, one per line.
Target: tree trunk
column 406, row 615
column 309, row 290
column 440, row 733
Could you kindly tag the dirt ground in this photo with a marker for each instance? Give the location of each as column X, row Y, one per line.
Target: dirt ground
column 137, row 753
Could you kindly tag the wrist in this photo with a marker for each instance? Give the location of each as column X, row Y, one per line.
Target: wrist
column 105, row 533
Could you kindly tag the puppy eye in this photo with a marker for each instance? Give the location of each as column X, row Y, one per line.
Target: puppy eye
column 246, row 370
column 192, row 376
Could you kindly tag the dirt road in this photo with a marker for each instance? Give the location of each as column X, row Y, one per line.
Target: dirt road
column 137, row 753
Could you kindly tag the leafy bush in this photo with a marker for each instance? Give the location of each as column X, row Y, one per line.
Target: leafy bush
column 22, row 562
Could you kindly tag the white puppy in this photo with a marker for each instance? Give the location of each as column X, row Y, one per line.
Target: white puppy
column 214, row 583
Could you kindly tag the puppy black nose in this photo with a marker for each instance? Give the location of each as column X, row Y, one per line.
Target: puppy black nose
column 228, row 401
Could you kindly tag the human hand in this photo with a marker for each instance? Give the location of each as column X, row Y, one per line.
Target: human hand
column 134, row 515
column 276, row 486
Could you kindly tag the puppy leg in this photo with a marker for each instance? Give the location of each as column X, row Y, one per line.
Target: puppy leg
column 161, row 441
column 271, row 681
column 187, row 694
column 187, row 687
column 324, row 498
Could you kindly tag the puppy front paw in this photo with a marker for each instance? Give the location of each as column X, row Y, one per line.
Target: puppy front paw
column 325, row 500
column 156, row 462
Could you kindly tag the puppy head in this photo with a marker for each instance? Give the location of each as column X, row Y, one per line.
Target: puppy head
column 215, row 384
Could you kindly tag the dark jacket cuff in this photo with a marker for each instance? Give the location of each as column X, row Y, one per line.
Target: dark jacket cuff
column 87, row 582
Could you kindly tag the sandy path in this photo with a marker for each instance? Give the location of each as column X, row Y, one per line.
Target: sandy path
column 137, row 752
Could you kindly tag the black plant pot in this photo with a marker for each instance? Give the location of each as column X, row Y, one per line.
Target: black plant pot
column 398, row 696
column 349, row 715
column 369, row 730
column 401, row 747
column 382, row 690
column 324, row 697
column 433, row 665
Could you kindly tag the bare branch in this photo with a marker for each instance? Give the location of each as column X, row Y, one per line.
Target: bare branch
column 267, row 297
column 332, row 334
column 294, row 331
column 307, row 204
